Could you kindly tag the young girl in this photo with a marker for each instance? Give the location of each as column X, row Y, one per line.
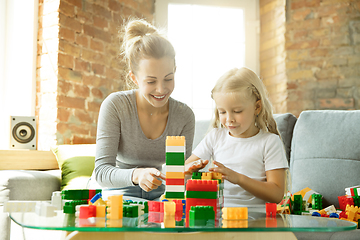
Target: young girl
column 133, row 124
column 244, row 143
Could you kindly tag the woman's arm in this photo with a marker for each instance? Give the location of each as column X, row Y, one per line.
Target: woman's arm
column 272, row 190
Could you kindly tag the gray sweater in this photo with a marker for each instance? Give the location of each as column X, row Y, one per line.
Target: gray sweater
column 121, row 145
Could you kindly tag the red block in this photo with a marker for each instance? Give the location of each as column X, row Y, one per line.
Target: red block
column 170, row 181
column 271, row 209
column 202, row 185
column 87, row 211
column 271, row 222
column 344, row 200
column 201, row 202
column 155, row 217
column 92, row 193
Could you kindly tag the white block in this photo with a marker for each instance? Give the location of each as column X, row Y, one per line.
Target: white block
column 175, row 188
column 175, row 149
column 19, row 206
column 56, row 200
column 45, row 209
column 174, row 168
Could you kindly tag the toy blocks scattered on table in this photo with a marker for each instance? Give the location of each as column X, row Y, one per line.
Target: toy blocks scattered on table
column 345, row 200
column 316, row 201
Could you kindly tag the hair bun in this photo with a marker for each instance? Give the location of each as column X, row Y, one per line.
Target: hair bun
column 138, row 28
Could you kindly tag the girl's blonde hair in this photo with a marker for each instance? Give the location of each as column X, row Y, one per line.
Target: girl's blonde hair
column 244, row 80
column 142, row 40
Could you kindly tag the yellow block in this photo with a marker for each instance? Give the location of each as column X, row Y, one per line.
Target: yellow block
column 169, row 208
column 234, row 223
column 206, row 176
column 100, row 211
column 172, row 175
column 115, row 207
column 169, row 221
column 175, row 141
column 216, row 175
column 235, row 213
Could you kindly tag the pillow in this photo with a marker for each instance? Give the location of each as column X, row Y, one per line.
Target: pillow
column 76, row 163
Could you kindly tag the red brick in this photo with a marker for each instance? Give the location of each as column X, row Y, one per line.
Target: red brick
column 92, row 81
column 115, row 6
column 83, row 140
column 81, row 91
column 303, row 44
column 130, row 3
column 63, row 114
column 67, row 34
column 336, row 103
column 70, row 23
column 70, row 75
column 295, row 4
column 84, row 17
column 301, row 14
column 96, row 45
column 98, row 10
column 67, row 9
column 83, row 116
column 100, row 22
column 97, row 33
column 126, row 11
column 65, row 60
column 82, row 40
column 97, row 93
column 70, row 102
column 77, row 3
column 325, row 11
column 112, row 73
column 94, row 57
column 94, row 106
column 98, row 69
column 81, row 65
column 64, row 87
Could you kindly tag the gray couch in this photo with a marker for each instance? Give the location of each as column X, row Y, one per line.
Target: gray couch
column 322, row 148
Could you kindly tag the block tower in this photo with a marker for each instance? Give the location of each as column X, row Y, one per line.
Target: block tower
column 175, row 167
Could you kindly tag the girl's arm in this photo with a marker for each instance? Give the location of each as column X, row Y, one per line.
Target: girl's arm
column 271, row 191
column 194, row 163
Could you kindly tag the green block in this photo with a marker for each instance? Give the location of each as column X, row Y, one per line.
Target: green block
column 175, row 158
column 75, row 194
column 356, row 201
column 201, row 216
column 196, row 175
column 130, row 211
column 316, row 201
column 198, row 194
column 70, row 207
column 178, row 195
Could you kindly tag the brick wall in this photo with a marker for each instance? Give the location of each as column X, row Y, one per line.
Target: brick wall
column 322, row 48
column 78, row 64
column 272, row 52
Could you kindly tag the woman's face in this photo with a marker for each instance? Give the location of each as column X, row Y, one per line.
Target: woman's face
column 155, row 79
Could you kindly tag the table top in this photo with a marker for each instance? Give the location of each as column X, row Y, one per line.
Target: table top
column 255, row 222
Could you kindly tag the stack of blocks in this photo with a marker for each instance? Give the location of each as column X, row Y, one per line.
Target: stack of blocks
column 175, row 167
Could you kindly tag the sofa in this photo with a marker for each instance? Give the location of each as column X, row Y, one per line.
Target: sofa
column 322, row 148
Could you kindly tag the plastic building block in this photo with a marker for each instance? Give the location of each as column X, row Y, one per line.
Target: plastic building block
column 169, row 221
column 70, row 206
column 56, row 200
column 217, row 176
column 115, row 207
column 271, row 222
column 156, row 217
column 175, row 188
column 197, row 194
column 201, row 216
column 175, row 175
column 19, row 206
column 130, row 211
column 206, row 176
column 175, row 141
column 334, row 215
column 271, row 209
column 353, row 191
column 316, row 214
column 100, row 211
column 86, row 211
column 345, row 200
column 114, row 223
column 235, row 223
column 45, row 209
column 154, row 206
column 234, row 213
column 202, row 185
column 356, row 200
column 306, row 194
column 297, row 204
column 200, row 202
column 174, row 195
column 174, row 158
column 352, row 213
column 95, row 198
column 169, row 208
column 175, row 181
column 196, row 175
column 175, row 149
column 175, row 168
column 316, row 201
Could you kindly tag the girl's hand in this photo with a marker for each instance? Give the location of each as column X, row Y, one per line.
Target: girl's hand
column 195, row 166
column 148, row 178
column 227, row 173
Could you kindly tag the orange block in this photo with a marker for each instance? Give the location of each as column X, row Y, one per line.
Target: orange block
column 206, row 176
column 234, row 213
column 115, row 207
column 175, row 175
column 175, row 141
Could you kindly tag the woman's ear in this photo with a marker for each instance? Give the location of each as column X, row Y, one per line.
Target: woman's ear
column 258, row 107
column 133, row 77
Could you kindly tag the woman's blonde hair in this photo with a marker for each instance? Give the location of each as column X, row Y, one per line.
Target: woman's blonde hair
column 244, row 80
column 142, row 40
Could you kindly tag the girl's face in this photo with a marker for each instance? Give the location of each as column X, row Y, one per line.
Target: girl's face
column 237, row 113
column 155, row 79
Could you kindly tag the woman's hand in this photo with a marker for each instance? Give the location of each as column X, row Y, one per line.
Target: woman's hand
column 227, row 173
column 195, row 166
column 147, row 178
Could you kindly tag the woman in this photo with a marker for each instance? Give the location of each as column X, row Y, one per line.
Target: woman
column 133, row 124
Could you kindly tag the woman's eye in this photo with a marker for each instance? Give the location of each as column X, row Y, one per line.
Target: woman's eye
column 221, row 112
column 237, row 111
column 169, row 79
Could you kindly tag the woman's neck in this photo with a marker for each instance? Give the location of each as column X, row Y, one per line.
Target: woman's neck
column 145, row 107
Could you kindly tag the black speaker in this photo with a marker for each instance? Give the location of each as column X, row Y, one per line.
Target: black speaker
column 23, row 132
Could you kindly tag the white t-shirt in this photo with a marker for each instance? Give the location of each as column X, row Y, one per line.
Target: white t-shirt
column 249, row 156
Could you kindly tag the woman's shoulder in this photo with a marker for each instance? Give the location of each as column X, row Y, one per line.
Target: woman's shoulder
column 180, row 108
column 120, row 97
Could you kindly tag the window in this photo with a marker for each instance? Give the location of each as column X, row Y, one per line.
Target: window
column 210, row 37
column 18, row 31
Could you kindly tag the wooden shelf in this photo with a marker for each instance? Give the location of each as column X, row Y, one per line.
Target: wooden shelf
column 27, row 160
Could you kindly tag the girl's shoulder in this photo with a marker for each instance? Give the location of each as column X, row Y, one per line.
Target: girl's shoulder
column 218, row 133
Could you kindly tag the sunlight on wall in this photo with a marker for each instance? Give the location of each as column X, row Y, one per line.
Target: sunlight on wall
column 208, row 42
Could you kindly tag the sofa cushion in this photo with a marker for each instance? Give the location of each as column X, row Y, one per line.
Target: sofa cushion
column 325, row 153
column 28, row 185
column 76, row 163
column 285, row 123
